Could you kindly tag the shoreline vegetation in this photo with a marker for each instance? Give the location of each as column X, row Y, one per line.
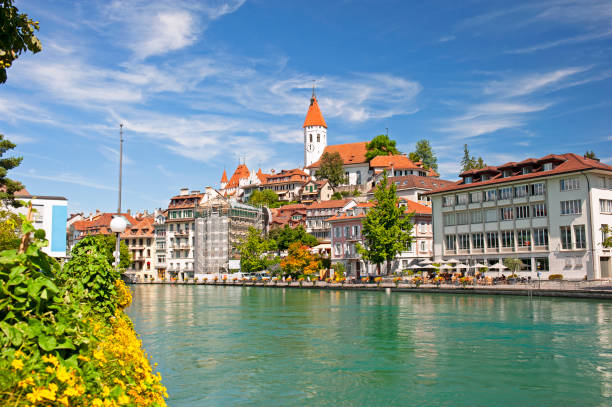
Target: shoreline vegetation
column 65, row 339
column 545, row 288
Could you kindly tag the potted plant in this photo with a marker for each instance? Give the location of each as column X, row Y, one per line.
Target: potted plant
column 288, row 280
column 417, row 281
column 438, row 280
column 300, row 279
column 515, row 265
column 397, row 280
column 378, row 280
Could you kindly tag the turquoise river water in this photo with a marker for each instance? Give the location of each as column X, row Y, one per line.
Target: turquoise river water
column 252, row 346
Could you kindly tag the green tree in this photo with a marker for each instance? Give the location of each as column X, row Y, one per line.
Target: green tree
column 332, row 169
column 514, row 264
column 267, row 197
column 8, row 187
column 590, row 154
column 10, row 230
column 252, row 251
column 387, row 229
column 469, row 162
column 284, row 237
column 16, row 36
column 106, row 244
column 607, row 241
column 381, row 145
column 424, row 153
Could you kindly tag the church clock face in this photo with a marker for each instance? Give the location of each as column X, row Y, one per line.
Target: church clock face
column 310, row 147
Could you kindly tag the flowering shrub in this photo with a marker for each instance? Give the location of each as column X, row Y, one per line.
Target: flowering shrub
column 438, row 280
column 215, row 278
column 378, row 280
column 224, row 279
column 465, row 281
column 64, row 342
column 417, row 281
column 396, row 280
column 364, row 279
column 288, row 279
column 234, row 279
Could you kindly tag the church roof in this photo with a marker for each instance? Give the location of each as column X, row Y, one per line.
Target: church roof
column 314, row 117
column 398, row 162
column 224, row 176
column 241, row 172
column 351, row 153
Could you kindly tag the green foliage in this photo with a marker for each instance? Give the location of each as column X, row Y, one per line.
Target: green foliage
column 514, row 264
column 267, row 197
column 336, row 196
column 339, row 268
column 106, row 244
column 590, row 154
column 381, row 145
column 282, row 203
column 284, row 237
column 8, row 187
column 387, row 229
column 16, row 36
column 607, row 241
column 332, row 169
column 470, row 162
column 424, row 153
column 252, row 251
column 356, row 192
column 10, row 227
column 345, row 194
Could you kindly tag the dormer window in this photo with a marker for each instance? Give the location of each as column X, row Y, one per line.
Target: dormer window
column 526, row 170
column 547, row 167
column 507, row 173
column 467, row 180
column 484, row 177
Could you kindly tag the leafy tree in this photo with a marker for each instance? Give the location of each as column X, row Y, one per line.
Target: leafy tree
column 300, row 260
column 590, row 154
column 424, row 153
column 16, row 36
column 8, row 187
column 332, row 169
column 387, row 229
column 267, row 197
column 284, row 237
column 252, row 251
column 10, row 228
column 607, row 242
column 106, row 244
column 514, row 264
column 381, row 145
column 336, row 196
column 470, row 162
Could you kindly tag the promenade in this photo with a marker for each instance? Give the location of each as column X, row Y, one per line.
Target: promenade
column 566, row 289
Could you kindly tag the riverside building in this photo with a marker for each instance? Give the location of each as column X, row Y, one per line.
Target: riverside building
column 548, row 212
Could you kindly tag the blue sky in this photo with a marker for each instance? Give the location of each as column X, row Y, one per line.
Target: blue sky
column 200, row 84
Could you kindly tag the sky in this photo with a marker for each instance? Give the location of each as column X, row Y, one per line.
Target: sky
column 200, row 85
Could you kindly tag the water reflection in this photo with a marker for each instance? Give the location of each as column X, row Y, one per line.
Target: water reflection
column 266, row 346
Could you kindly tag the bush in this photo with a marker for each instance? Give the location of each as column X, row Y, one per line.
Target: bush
column 555, row 277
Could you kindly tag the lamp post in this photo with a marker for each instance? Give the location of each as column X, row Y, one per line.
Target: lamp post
column 118, row 223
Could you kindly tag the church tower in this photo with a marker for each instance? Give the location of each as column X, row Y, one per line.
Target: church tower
column 315, row 132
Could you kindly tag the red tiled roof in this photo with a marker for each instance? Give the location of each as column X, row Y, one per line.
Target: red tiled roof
column 415, row 207
column 398, row 162
column 262, row 177
column 314, row 117
column 22, row 192
column 334, row 203
column 368, row 204
column 224, row 176
column 342, row 217
column 144, row 228
column 417, row 181
column 351, row 153
column 241, row 172
column 293, row 175
column 183, row 201
column 291, row 207
column 568, row 163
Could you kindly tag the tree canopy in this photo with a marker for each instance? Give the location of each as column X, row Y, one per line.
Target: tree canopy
column 387, row 229
column 252, row 250
column 424, row 153
column 267, row 197
column 8, row 187
column 16, row 36
column 10, row 230
column 106, row 243
column 284, row 237
column 469, row 162
column 332, row 169
column 300, row 260
column 381, row 145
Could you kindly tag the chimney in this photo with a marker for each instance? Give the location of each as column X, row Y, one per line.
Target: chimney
column 195, row 192
column 184, row 191
column 129, row 211
column 97, row 211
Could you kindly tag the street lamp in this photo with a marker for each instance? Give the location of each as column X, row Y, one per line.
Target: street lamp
column 118, row 223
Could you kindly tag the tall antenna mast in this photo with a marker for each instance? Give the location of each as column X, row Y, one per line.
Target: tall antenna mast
column 120, row 164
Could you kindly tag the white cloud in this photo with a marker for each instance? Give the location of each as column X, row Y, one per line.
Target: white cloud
column 528, row 84
column 565, row 41
column 69, row 178
column 446, row 38
column 112, row 154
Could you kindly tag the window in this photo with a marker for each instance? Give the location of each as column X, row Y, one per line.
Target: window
column 476, row 197
column 547, row 167
column 337, row 232
column 526, row 170
column 484, row 177
column 523, row 238
column 462, row 218
column 491, row 215
column 537, row 189
column 505, row 193
column 355, row 230
column 449, row 219
column 605, row 205
column 507, row 238
column 522, row 212
column 346, row 231
column 566, row 237
column 521, row 191
column 506, row 173
column 541, row 263
column 476, row 216
column 573, row 207
column 338, row 249
column 477, row 241
column 464, row 242
column 467, row 180
column 539, row 210
column 423, row 246
column 492, row 240
column 450, row 242
column 580, row 236
column 540, row 237
column 491, row 195
column 506, row 213
column 569, row 184
column 462, row 199
column 359, row 177
column 318, row 137
column 311, row 138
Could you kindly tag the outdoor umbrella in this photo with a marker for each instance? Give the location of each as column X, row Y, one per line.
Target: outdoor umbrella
column 454, row 261
column 462, row 266
column 479, row 266
column 426, row 261
column 446, row 267
column 498, row 266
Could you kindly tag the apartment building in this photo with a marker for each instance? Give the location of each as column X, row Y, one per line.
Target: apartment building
column 287, row 183
column 161, row 243
column 318, row 213
column 413, row 187
column 548, row 212
column 140, row 241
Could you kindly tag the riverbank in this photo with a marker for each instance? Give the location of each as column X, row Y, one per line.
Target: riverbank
column 565, row 289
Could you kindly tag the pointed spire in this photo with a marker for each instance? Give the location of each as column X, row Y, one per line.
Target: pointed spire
column 224, row 176
column 314, row 117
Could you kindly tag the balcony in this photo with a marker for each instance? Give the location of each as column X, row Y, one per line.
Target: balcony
column 184, row 233
column 160, row 266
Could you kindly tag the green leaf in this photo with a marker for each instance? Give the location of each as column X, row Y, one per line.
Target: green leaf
column 47, row 343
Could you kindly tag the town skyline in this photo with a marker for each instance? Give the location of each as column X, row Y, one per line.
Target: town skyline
column 199, row 92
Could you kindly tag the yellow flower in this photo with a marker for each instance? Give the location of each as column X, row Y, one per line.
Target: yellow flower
column 83, row 358
column 62, row 374
column 51, row 359
column 64, row 401
column 17, row 364
column 97, row 402
column 49, row 369
column 123, row 399
column 18, row 353
column 71, row 392
column 105, row 391
column 28, row 381
column 98, row 354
